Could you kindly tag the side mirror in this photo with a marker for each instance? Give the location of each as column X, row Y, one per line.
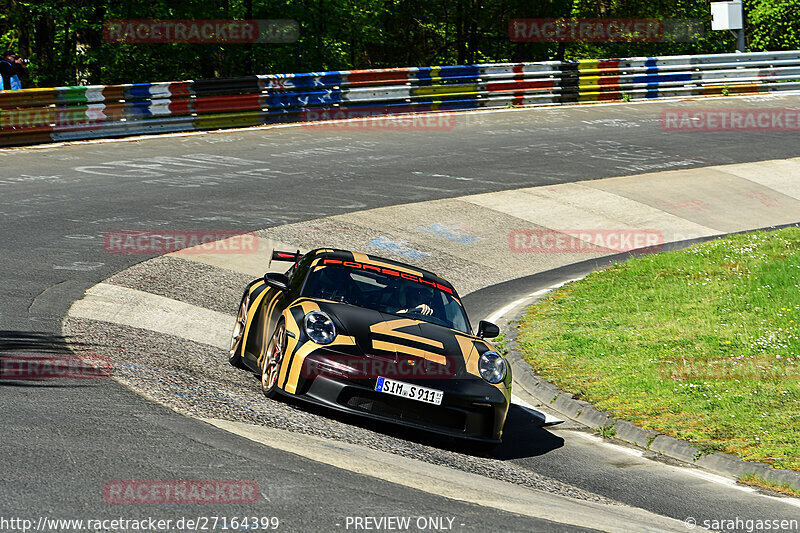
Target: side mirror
column 487, row 330
column 277, row 281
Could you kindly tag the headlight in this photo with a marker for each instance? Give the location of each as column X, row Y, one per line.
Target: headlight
column 319, row 327
column 492, row 367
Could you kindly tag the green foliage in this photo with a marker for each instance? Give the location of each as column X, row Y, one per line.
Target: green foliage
column 64, row 38
column 775, row 25
column 608, row 431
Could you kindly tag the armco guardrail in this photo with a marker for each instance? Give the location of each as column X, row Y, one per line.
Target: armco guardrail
column 70, row 113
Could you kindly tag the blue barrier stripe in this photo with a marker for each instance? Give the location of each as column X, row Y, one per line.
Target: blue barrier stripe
column 138, row 109
column 138, row 90
column 661, row 78
column 302, row 99
column 310, row 80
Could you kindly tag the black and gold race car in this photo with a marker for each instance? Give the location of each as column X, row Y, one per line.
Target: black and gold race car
column 374, row 337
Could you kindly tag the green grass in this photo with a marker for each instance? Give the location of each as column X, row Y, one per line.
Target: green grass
column 501, row 343
column 700, row 344
column 758, row 481
column 607, row 431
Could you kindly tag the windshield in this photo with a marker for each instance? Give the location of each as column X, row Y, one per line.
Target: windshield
column 387, row 294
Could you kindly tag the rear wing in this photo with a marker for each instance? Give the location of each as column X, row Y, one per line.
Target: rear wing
column 290, row 257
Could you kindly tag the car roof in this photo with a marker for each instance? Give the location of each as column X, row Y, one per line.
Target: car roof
column 358, row 257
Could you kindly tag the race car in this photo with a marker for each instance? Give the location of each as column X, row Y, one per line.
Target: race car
column 376, row 338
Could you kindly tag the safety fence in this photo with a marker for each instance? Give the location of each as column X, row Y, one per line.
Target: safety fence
column 33, row 116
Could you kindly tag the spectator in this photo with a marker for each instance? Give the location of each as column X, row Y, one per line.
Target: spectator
column 11, row 66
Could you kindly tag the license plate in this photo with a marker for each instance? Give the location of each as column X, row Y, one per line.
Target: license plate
column 407, row 390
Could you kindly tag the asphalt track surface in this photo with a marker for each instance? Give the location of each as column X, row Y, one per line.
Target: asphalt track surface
column 62, row 441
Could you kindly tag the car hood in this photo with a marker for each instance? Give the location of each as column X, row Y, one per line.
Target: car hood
column 397, row 337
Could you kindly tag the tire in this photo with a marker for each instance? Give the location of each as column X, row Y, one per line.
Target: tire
column 271, row 365
column 237, row 337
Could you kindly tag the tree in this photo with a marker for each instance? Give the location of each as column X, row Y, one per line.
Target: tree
column 64, row 38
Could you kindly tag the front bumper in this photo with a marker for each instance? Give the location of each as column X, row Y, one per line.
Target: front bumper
column 470, row 409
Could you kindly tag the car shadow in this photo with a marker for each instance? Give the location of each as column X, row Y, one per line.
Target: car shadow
column 524, row 434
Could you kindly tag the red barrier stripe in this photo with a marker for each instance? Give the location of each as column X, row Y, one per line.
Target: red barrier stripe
column 377, row 77
column 506, row 86
column 181, row 106
column 608, row 64
column 216, row 104
column 114, row 111
column 519, row 71
column 180, row 88
column 113, row 93
column 608, row 96
column 611, row 81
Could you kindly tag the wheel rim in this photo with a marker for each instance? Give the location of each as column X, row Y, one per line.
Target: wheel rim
column 272, row 359
column 238, row 328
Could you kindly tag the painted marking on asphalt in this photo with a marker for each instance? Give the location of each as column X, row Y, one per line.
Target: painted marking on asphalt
column 455, row 484
column 714, row 478
column 506, row 309
column 80, row 266
column 449, row 232
column 397, row 247
column 623, row 449
column 494, row 317
column 460, row 178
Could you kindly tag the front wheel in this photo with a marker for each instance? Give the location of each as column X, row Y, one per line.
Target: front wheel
column 271, row 366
